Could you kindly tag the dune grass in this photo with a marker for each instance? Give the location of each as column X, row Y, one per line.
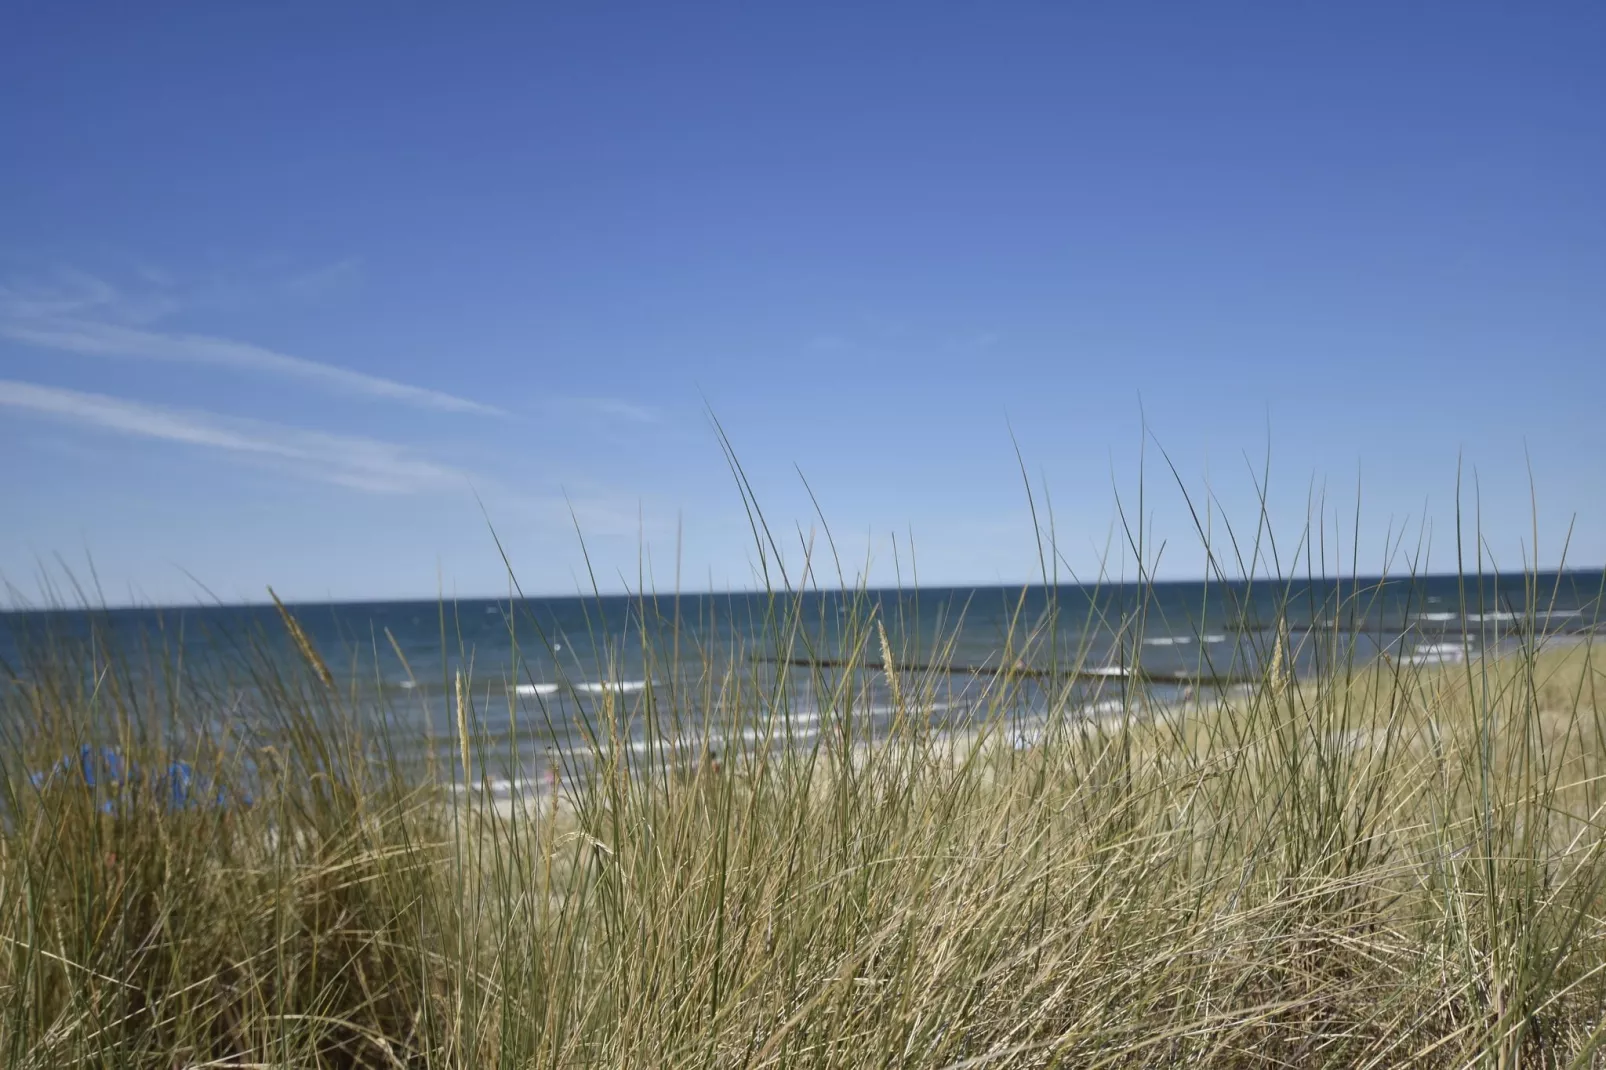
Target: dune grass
column 1387, row 865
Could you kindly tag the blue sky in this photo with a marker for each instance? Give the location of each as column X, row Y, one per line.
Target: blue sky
column 280, row 283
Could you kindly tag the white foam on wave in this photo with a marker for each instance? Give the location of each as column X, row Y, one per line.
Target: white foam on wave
column 407, row 685
column 1168, row 640
column 795, row 718
column 536, row 689
column 1433, row 657
column 1212, row 638
column 1502, row 615
column 796, row 727
column 1106, row 670
column 758, row 735
column 493, row 785
column 883, row 709
column 1088, row 716
column 1435, row 616
column 596, row 687
column 1451, row 649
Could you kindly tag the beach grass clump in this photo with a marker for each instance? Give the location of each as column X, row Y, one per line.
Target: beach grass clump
column 167, row 898
column 1386, row 864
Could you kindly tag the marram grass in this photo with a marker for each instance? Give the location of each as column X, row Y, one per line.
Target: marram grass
column 1388, row 866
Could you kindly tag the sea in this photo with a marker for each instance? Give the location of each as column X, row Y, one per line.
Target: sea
column 548, row 682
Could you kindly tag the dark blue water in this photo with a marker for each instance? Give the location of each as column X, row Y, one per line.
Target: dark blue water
column 549, row 670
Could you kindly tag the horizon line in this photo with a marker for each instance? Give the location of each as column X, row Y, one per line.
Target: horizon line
column 1372, row 579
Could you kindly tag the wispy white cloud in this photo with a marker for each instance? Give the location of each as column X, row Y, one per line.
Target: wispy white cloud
column 80, row 313
column 71, row 293
column 365, row 464
column 110, row 339
column 373, row 466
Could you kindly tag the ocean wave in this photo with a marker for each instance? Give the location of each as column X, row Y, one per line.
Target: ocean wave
column 1496, row 615
column 1452, row 656
column 1437, row 654
column 1087, row 715
column 626, row 687
column 536, row 689
column 494, row 785
column 796, row 727
column 794, row 719
column 1168, row 640
column 759, row 735
column 1212, row 638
